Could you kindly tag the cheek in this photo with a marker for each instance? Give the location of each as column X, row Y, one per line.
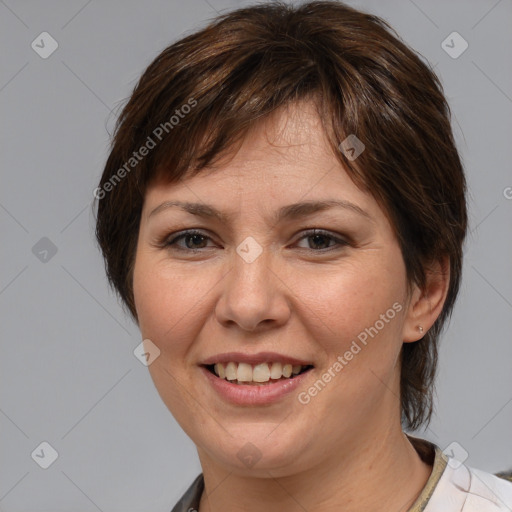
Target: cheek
column 346, row 301
column 164, row 301
column 355, row 320
column 168, row 301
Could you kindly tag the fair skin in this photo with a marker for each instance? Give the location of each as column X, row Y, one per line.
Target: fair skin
column 344, row 450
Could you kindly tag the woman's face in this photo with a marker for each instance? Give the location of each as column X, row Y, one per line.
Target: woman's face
column 255, row 287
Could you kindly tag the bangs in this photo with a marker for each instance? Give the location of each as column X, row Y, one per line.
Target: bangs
column 216, row 115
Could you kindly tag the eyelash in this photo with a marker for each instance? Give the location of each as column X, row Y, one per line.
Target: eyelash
column 171, row 243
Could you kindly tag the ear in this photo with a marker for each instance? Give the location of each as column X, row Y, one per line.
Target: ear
column 426, row 304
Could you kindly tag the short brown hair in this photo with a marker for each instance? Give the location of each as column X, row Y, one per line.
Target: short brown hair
column 364, row 81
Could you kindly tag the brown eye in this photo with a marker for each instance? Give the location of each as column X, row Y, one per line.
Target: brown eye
column 194, row 240
column 322, row 238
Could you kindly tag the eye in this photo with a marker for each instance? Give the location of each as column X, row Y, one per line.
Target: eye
column 195, row 240
column 191, row 238
column 322, row 238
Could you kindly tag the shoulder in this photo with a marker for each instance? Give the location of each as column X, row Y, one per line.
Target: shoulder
column 189, row 502
column 467, row 489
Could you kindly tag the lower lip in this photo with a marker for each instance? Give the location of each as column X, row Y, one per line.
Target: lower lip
column 246, row 394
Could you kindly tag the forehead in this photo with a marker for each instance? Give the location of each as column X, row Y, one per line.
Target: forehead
column 284, row 159
column 291, row 137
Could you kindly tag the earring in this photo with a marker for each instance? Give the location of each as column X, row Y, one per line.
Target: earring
column 420, row 328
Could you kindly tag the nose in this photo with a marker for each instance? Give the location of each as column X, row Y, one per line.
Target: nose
column 253, row 297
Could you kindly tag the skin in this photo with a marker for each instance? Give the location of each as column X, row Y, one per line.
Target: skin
column 303, row 297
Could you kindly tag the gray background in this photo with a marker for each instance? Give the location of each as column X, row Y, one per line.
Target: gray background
column 68, row 372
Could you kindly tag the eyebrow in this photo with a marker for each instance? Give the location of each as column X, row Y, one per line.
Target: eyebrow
column 291, row 211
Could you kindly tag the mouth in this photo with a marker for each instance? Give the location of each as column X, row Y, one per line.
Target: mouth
column 259, row 379
column 262, row 374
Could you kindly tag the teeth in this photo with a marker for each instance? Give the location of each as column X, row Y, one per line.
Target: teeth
column 276, row 371
column 263, row 372
column 287, row 370
column 230, row 371
column 244, row 372
column 219, row 370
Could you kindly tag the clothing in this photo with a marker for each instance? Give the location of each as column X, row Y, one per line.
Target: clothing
column 451, row 487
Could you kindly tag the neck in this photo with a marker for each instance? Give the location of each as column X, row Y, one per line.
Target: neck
column 384, row 472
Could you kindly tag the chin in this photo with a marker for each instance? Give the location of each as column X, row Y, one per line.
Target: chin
column 259, row 449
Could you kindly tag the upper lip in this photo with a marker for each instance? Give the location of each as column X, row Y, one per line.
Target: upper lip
column 260, row 357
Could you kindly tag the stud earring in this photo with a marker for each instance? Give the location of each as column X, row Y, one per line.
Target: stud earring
column 420, row 328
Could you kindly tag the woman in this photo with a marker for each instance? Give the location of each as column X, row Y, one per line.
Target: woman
column 283, row 213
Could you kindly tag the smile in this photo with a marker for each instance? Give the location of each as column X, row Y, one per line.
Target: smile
column 259, row 374
column 249, row 393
